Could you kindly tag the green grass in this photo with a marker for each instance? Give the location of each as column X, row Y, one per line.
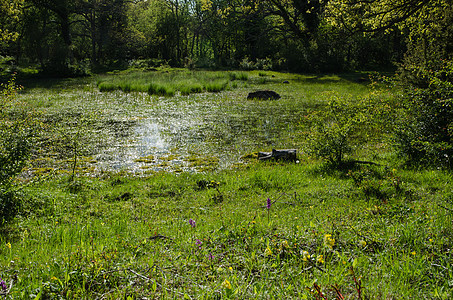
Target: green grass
column 374, row 231
column 167, row 82
column 126, row 236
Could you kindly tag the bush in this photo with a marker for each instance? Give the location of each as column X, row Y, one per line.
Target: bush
column 329, row 138
column 347, row 123
column 259, row 64
column 424, row 133
column 15, row 144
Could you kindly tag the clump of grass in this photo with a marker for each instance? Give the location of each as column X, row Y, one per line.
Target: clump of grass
column 166, row 84
column 107, row 87
column 190, row 88
column 125, row 87
column 161, row 90
column 243, row 76
column 262, row 80
column 216, row 86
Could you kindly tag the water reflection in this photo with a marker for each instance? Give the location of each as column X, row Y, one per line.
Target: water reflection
column 150, row 140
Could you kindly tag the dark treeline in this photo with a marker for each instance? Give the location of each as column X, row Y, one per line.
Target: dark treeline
column 73, row 36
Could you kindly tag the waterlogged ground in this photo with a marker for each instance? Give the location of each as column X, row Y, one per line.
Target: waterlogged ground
column 139, row 133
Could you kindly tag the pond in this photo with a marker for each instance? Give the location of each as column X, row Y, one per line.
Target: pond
column 139, row 133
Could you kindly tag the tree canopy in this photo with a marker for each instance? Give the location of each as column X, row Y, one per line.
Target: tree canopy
column 10, row 11
column 65, row 37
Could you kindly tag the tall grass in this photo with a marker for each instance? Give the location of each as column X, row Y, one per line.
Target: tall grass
column 161, row 90
column 167, row 83
column 239, row 76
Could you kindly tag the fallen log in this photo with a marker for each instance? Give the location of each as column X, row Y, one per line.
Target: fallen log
column 284, row 154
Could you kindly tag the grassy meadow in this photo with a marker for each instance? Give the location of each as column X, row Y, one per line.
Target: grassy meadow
column 200, row 229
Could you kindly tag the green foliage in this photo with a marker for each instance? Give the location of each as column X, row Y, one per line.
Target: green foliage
column 161, row 90
column 166, row 234
column 259, row 64
column 424, row 133
column 333, row 129
column 216, row 86
column 238, row 76
column 15, row 146
column 347, row 124
column 10, row 11
column 167, row 83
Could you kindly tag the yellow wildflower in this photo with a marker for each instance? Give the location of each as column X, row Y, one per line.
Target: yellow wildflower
column 268, row 251
column 413, row 253
column 231, row 269
column 226, row 284
column 285, row 244
column 320, row 259
column 8, row 245
column 362, row 243
column 329, row 242
column 305, row 255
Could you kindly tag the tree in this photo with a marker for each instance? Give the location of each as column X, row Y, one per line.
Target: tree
column 10, row 11
column 300, row 17
column 377, row 15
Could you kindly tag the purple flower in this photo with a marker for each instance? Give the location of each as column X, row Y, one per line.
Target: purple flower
column 211, row 257
column 198, row 242
column 192, row 223
column 269, row 203
column 2, row 285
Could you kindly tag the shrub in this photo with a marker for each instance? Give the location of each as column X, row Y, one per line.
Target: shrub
column 424, row 132
column 331, row 131
column 347, row 123
column 15, row 144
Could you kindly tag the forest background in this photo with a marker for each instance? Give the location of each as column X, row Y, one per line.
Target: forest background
column 65, row 37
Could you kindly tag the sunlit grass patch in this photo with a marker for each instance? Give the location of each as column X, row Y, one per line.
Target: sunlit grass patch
column 216, row 86
column 107, row 87
column 167, row 83
column 187, row 88
column 161, row 89
column 172, row 233
column 243, row 76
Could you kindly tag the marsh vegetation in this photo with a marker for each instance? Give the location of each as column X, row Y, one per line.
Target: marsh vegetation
column 129, row 149
column 131, row 194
